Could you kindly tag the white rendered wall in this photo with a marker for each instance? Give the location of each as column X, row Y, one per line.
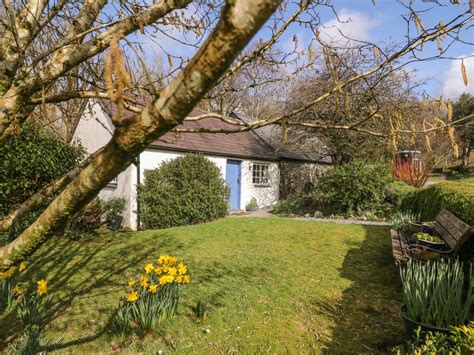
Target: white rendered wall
column 94, row 131
column 265, row 195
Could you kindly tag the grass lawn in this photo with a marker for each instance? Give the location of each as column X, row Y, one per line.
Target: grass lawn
column 273, row 285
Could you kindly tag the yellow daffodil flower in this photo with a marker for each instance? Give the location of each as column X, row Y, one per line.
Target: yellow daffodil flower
column 153, row 288
column 182, row 269
column 144, row 282
column 132, row 296
column 22, row 267
column 17, row 290
column 149, row 268
column 186, row 279
column 7, row 274
column 172, row 271
column 166, row 279
column 179, row 279
column 42, row 287
column 131, row 283
column 159, row 270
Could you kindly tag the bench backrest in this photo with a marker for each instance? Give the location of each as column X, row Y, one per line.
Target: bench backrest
column 452, row 230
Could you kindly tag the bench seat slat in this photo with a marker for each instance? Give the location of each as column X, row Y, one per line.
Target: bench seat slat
column 445, row 235
column 447, row 218
column 450, row 228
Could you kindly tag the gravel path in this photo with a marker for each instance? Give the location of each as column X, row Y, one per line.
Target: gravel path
column 267, row 213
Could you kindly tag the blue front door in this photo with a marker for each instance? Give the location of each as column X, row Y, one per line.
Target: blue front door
column 232, row 178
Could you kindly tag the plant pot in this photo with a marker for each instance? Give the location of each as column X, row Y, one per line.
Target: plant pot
column 412, row 325
column 420, row 227
column 433, row 245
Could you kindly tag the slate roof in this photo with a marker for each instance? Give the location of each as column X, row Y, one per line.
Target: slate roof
column 271, row 134
column 239, row 145
column 256, row 144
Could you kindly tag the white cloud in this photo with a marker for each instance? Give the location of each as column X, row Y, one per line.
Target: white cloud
column 453, row 84
column 351, row 25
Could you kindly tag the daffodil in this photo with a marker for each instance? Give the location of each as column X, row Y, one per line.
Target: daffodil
column 132, row 296
column 179, row 279
column 17, row 290
column 166, row 279
column 7, row 274
column 153, row 288
column 172, row 271
column 144, row 282
column 186, row 279
column 159, row 270
column 42, row 287
column 22, row 267
column 131, row 283
column 149, row 268
column 182, row 269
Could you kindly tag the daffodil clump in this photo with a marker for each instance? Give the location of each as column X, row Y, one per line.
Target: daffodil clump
column 152, row 295
column 32, row 305
column 9, row 289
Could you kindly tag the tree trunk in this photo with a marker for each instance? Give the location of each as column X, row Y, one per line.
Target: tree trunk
column 239, row 22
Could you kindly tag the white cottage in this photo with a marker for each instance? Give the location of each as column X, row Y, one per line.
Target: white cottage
column 247, row 163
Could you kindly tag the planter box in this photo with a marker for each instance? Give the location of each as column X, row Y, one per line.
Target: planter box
column 412, row 325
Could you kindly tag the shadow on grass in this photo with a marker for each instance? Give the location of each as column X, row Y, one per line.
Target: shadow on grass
column 80, row 269
column 367, row 318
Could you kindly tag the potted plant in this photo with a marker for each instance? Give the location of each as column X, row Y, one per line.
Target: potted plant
column 433, row 296
column 252, row 205
column 429, row 240
column 421, row 227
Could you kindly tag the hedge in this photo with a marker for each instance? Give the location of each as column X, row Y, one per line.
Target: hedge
column 454, row 196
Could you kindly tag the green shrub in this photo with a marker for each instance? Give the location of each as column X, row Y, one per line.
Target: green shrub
column 396, row 192
column 86, row 221
column 182, row 191
column 454, row 196
column 300, row 204
column 31, row 160
column 252, row 205
column 459, row 341
column 354, row 187
column 112, row 208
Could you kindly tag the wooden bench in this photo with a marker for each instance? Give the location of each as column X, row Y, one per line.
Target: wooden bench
column 450, row 228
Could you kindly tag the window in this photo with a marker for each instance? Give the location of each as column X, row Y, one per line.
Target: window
column 113, row 182
column 260, row 174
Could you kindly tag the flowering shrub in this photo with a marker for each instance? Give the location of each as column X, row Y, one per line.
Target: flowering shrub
column 153, row 295
column 412, row 174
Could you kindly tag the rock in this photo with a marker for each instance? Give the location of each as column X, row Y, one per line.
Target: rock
column 318, row 214
column 306, row 215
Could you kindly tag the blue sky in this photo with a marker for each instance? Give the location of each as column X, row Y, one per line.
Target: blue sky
column 381, row 24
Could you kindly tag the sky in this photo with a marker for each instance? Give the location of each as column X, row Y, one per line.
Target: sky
column 382, row 24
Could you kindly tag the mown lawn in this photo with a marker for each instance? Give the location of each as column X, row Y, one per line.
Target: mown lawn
column 273, row 285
